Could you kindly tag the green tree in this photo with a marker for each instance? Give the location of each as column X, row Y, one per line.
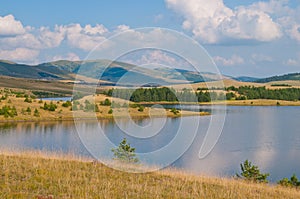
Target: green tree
column 106, row 102
column 36, row 113
column 141, row 108
column 252, row 173
column 292, row 182
column 125, row 152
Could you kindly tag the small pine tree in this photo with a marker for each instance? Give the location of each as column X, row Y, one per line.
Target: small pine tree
column 36, row 113
column 28, row 110
column 252, row 173
column 125, row 152
column 292, row 182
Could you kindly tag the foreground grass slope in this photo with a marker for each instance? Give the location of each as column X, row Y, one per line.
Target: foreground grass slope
column 34, row 175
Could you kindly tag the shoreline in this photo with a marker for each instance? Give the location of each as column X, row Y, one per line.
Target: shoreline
column 254, row 102
column 108, row 117
column 141, row 115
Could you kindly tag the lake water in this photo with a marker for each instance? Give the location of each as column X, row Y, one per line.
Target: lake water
column 57, row 98
column 267, row 136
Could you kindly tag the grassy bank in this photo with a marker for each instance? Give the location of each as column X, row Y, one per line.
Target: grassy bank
column 36, row 175
column 88, row 107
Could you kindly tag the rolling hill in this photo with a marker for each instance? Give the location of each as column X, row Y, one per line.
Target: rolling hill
column 102, row 69
column 113, row 72
column 290, row 76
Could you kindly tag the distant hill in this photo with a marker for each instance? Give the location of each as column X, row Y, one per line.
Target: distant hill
column 291, row 76
column 34, row 72
column 109, row 71
column 113, row 72
column 245, row 79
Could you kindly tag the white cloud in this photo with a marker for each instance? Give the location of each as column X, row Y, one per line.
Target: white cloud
column 69, row 57
column 261, row 58
column 150, row 56
column 294, row 32
column 50, row 39
column 85, row 38
column 213, row 22
column 10, row 26
column 19, row 54
column 122, row 28
column 292, row 62
column 99, row 29
column 232, row 61
column 26, row 40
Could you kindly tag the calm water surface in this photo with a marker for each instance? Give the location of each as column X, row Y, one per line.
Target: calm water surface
column 267, row 136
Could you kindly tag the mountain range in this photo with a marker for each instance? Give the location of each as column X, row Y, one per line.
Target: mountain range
column 112, row 72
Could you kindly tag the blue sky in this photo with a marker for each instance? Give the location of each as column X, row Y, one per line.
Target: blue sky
column 251, row 38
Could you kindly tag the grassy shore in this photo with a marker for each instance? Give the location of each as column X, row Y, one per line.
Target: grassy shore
column 37, row 175
column 63, row 113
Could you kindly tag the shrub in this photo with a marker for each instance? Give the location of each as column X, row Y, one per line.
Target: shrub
column 292, row 182
column 28, row 100
column 175, row 111
column 106, row 102
column 125, row 152
column 141, row 108
column 36, row 113
column 252, row 173
column 49, row 107
column 67, row 104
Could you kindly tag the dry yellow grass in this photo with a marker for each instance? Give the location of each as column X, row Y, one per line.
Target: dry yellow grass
column 36, row 175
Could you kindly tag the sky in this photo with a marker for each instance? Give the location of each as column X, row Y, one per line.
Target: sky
column 244, row 38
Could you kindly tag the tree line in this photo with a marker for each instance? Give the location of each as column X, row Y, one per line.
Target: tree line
column 186, row 95
column 251, row 92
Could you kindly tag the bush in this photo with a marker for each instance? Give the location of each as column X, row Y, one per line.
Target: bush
column 292, row 182
column 141, row 108
column 125, row 152
column 8, row 111
column 252, row 173
column 67, row 104
column 49, row 107
column 36, row 113
column 28, row 100
column 175, row 111
column 106, row 102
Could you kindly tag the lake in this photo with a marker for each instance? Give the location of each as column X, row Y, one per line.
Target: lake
column 269, row 136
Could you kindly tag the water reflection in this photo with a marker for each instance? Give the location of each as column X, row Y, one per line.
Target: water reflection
column 268, row 136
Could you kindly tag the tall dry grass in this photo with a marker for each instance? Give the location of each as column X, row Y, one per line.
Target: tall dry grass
column 40, row 175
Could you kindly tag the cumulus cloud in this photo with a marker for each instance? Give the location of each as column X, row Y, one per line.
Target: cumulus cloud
column 50, row 39
column 232, row 61
column 85, row 38
column 213, row 22
column 19, row 54
column 10, row 26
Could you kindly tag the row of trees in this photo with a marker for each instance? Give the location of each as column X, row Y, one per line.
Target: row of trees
column 251, row 92
column 186, row 95
column 164, row 94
